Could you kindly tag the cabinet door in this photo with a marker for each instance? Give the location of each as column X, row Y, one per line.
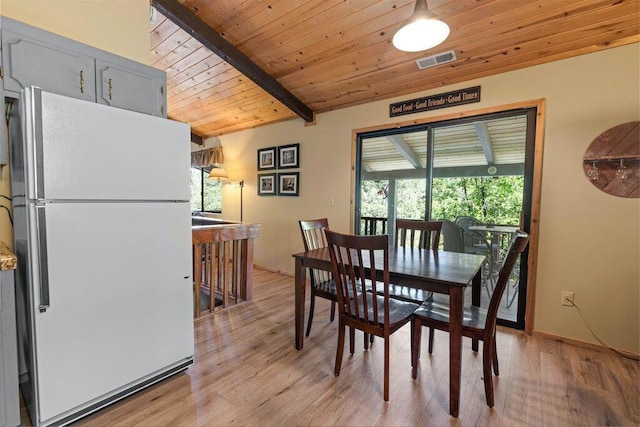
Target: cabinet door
column 133, row 87
column 9, row 399
column 28, row 61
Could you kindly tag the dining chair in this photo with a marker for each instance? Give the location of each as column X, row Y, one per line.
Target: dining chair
column 477, row 323
column 418, row 234
column 414, row 234
column 359, row 263
column 322, row 283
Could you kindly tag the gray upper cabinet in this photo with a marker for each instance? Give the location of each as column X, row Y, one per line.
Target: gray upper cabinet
column 34, row 57
column 31, row 62
column 132, row 89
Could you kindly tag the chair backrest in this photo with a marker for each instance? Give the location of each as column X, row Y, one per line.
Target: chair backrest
column 516, row 247
column 374, row 225
column 471, row 237
column 313, row 237
column 452, row 236
column 356, row 286
column 418, row 234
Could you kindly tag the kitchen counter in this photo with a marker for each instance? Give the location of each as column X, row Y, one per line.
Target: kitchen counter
column 8, row 260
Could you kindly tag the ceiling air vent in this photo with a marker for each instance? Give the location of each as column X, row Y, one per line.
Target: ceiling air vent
column 433, row 60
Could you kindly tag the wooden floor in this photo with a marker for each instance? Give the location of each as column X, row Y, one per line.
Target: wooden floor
column 247, row 372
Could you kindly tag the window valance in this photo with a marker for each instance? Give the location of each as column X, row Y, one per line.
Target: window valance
column 208, row 157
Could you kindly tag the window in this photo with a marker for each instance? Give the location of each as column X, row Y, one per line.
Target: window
column 206, row 195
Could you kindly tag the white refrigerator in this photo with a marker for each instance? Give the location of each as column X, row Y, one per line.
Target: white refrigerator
column 103, row 238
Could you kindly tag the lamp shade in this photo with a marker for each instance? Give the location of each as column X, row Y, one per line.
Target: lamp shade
column 422, row 31
column 218, row 173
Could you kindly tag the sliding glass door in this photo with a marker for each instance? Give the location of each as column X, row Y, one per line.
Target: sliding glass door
column 475, row 174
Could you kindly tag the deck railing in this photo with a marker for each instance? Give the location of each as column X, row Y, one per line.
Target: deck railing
column 373, row 225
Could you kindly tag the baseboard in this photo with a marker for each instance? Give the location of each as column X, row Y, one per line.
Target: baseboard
column 271, row 270
column 584, row 344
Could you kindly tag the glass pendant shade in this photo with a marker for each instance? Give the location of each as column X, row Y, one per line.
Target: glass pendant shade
column 422, row 31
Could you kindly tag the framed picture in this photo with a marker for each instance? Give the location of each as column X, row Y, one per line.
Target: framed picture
column 266, row 158
column 288, row 184
column 267, row 184
column 288, row 156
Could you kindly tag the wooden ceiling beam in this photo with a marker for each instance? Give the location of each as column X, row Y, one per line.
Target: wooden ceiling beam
column 196, row 139
column 213, row 41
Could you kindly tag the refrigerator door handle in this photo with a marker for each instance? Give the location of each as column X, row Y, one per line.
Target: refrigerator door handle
column 38, row 141
column 42, row 255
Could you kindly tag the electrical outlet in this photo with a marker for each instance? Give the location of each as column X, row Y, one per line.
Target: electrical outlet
column 567, row 298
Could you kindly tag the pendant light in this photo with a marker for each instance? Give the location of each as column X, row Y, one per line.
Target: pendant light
column 422, row 31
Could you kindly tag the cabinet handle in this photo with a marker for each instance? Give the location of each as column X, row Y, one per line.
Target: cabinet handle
column 110, row 89
column 81, row 81
column 161, row 90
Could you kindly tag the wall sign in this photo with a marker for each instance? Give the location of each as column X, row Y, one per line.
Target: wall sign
column 434, row 102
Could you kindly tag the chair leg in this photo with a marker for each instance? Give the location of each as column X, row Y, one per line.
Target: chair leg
column 416, row 336
column 352, row 340
column 366, row 341
column 487, row 357
column 386, row 369
column 312, row 307
column 496, row 370
column 340, row 349
column 431, row 333
column 333, row 310
column 413, row 328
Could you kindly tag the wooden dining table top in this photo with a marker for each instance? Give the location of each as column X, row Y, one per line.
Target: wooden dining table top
column 407, row 264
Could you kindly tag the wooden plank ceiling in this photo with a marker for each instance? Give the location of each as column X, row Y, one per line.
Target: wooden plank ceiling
column 331, row 54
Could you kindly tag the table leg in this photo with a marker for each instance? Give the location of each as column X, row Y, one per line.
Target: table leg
column 476, row 288
column 456, row 301
column 299, row 303
column 197, row 278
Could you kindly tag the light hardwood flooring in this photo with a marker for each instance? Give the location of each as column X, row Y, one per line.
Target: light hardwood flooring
column 247, row 372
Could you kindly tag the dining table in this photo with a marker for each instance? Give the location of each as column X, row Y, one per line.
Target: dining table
column 437, row 271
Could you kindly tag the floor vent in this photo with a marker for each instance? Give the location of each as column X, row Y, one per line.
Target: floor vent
column 433, row 60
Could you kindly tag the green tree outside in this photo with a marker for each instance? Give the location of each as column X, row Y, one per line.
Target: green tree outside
column 492, row 200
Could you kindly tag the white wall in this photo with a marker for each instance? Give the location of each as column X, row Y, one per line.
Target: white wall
column 589, row 240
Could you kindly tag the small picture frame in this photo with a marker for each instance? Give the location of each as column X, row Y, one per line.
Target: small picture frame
column 267, row 184
column 267, row 158
column 289, row 156
column 288, row 184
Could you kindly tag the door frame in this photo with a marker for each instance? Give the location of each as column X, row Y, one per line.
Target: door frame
column 538, row 149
